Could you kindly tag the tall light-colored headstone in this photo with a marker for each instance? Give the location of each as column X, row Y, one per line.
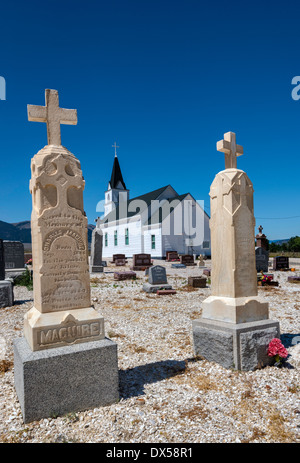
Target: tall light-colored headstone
column 64, row 363
column 62, row 312
column 234, row 307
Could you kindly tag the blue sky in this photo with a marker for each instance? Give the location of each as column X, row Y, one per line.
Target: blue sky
column 165, row 80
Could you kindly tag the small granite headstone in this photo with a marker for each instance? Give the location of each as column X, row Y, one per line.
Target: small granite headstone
column 157, row 280
column 124, row 276
column 13, row 254
column 172, row 256
column 178, row 266
column 118, row 257
column 157, row 275
column 294, row 279
column 197, row 282
column 141, row 261
column 187, row 259
column 280, row 263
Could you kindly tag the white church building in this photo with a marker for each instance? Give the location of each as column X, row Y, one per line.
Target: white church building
column 153, row 223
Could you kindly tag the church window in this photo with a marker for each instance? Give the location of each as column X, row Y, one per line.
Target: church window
column 152, row 241
column 126, row 236
column 116, row 237
column 106, row 239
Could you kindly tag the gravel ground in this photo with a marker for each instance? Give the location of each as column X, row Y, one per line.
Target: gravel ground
column 166, row 394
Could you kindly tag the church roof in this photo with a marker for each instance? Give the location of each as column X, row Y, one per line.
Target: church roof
column 146, row 198
column 116, row 175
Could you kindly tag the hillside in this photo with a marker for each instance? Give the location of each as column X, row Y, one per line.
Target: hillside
column 21, row 231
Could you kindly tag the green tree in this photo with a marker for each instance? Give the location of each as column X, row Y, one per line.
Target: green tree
column 294, row 244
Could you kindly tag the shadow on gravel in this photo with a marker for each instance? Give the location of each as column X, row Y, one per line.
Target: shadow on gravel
column 290, row 339
column 133, row 380
column 22, row 301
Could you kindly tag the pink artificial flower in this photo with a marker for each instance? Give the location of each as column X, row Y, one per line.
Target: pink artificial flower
column 276, row 348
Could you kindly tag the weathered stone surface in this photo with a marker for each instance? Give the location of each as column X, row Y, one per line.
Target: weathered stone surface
column 6, row 293
column 13, row 254
column 157, row 275
column 154, row 288
column 2, row 261
column 214, row 345
column 66, row 379
column 241, row 346
column 197, row 282
column 96, row 251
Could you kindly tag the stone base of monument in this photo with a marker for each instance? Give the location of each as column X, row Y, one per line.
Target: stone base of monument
column 6, row 293
column 96, row 268
column 235, row 309
column 154, row 288
column 68, row 379
column 241, row 346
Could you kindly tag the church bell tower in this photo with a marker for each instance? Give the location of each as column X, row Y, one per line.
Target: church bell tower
column 117, row 191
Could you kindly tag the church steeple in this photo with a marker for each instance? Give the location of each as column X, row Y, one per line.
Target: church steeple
column 116, row 179
column 117, row 190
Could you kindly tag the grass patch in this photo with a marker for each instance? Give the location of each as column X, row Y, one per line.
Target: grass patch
column 25, row 280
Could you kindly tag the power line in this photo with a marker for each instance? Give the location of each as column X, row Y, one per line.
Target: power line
column 278, row 218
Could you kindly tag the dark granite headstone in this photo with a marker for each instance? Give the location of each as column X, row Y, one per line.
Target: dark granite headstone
column 172, row 256
column 280, row 263
column 261, row 259
column 124, row 276
column 197, row 282
column 157, row 275
column 2, row 262
column 96, row 251
column 187, row 259
column 141, row 261
column 13, row 254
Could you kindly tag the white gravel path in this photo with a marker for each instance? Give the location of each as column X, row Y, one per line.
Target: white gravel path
column 166, row 395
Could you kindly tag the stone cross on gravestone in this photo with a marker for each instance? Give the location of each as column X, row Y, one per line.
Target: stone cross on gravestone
column 231, row 149
column 260, row 229
column 53, row 115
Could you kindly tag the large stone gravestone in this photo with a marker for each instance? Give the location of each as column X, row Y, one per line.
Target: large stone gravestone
column 96, row 252
column 261, row 259
column 141, row 261
column 234, row 329
column 6, row 286
column 157, row 279
column 280, row 263
column 64, row 363
column 13, row 254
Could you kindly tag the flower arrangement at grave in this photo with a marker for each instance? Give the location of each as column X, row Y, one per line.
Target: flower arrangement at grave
column 264, row 279
column 277, row 350
column 29, row 262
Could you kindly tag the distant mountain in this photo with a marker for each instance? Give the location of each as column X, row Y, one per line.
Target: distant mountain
column 21, row 231
column 279, row 241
